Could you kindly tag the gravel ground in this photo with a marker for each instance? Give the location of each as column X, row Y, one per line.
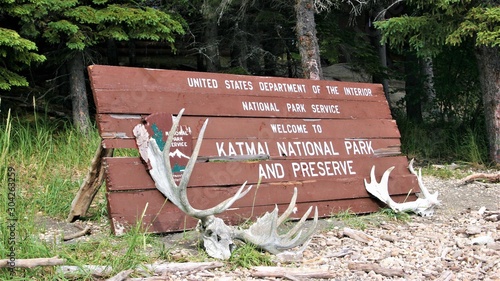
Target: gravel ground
column 457, row 243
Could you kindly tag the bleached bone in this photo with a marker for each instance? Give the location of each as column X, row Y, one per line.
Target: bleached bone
column 217, row 236
column 423, row 206
column 264, row 232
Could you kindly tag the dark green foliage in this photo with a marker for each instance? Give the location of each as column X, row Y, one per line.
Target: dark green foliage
column 73, row 25
column 347, row 44
column 16, row 52
column 454, row 130
column 458, row 92
column 434, row 24
column 80, row 25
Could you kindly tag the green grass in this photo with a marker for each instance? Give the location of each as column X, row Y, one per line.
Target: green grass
column 247, row 256
column 349, row 219
column 50, row 159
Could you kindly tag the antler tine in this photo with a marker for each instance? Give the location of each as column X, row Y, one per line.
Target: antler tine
column 264, row 232
column 424, row 189
column 300, row 238
column 380, row 189
column 179, row 191
column 290, row 208
column 288, row 212
column 299, row 224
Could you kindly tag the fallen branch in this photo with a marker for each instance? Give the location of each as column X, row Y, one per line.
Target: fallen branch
column 30, row 263
column 291, row 273
column 491, row 216
column 480, row 176
column 163, row 268
column 367, row 267
column 77, row 234
column 76, row 271
column 120, row 276
column 357, row 235
column 158, row 269
column 153, row 278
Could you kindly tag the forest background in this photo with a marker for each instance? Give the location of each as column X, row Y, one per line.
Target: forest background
column 446, row 53
column 443, row 56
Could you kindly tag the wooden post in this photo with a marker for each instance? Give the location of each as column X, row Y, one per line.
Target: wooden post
column 90, row 186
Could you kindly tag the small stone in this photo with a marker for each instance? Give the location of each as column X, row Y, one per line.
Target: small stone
column 473, row 230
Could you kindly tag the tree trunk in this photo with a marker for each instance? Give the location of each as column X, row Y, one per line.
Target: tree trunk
column 413, row 97
column 132, row 59
column 212, row 46
column 376, row 41
column 112, row 52
column 308, row 42
column 239, row 46
column 429, row 106
column 210, row 34
column 488, row 59
column 382, row 53
column 79, row 101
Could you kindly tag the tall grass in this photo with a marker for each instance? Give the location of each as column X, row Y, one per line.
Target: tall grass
column 51, row 159
column 443, row 142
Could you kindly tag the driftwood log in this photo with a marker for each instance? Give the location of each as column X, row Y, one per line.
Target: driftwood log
column 492, row 178
column 158, row 269
column 357, row 235
column 30, row 263
column 121, row 276
column 367, row 267
column 291, row 273
column 72, row 271
column 90, row 185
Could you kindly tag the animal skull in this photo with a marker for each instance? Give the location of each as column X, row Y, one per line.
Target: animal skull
column 217, row 238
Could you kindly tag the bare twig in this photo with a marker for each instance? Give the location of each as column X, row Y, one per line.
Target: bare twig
column 291, row 273
column 120, row 276
column 83, row 232
column 367, row 267
column 30, row 263
column 357, row 235
column 170, row 267
column 76, row 271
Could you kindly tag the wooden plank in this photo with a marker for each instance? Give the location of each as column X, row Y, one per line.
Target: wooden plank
column 209, row 149
column 143, row 81
column 263, row 128
column 130, row 173
column 203, row 197
column 133, row 102
column 125, row 209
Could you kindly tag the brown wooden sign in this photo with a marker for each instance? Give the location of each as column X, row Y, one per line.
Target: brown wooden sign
column 322, row 137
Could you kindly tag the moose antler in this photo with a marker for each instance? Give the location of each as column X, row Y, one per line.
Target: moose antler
column 264, row 232
column 164, row 180
column 423, row 206
column 217, row 236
